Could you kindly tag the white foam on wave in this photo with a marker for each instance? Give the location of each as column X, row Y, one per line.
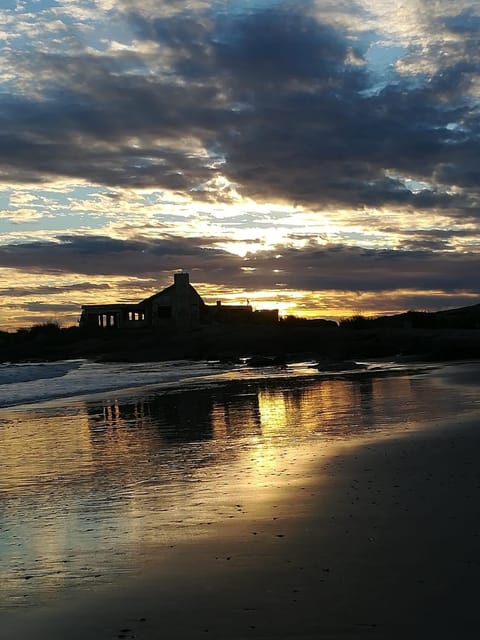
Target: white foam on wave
column 33, row 383
column 28, row 372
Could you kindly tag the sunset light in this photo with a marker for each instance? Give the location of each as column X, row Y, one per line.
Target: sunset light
column 315, row 156
column 239, row 319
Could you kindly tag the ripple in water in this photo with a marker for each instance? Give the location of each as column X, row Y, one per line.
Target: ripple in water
column 90, row 490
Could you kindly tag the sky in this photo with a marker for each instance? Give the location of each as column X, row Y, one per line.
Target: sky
column 317, row 156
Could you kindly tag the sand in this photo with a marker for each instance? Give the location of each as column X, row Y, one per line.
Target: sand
column 380, row 539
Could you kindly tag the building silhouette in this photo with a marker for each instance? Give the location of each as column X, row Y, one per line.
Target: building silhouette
column 179, row 306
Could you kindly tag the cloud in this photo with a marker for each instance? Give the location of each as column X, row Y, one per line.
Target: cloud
column 313, row 268
column 21, row 215
column 271, row 99
column 269, row 125
column 101, row 255
column 328, row 139
column 49, row 307
column 344, row 268
column 47, row 290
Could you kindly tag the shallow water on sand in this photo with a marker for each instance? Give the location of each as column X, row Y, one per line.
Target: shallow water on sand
column 90, row 490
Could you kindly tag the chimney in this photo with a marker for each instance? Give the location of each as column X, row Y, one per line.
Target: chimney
column 181, row 279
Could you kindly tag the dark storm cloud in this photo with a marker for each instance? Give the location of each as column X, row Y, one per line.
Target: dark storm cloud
column 354, row 269
column 49, row 307
column 432, row 239
column 280, row 49
column 22, row 292
column 101, row 255
column 285, row 101
column 91, row 139
column 330, row 140
column 465, row 22
column 313, row 268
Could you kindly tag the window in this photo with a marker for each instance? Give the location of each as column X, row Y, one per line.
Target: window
column 164, row 312
column 136, row 316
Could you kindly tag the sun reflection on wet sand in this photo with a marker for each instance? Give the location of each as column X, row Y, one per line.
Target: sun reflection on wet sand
column 95, row 490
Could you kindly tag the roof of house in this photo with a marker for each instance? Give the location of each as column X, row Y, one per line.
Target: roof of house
column 171, row 289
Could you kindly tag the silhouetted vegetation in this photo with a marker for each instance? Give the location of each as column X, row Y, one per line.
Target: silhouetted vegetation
column 445, row 335
column 355, row 322
column 307, row 322
column 463, row 318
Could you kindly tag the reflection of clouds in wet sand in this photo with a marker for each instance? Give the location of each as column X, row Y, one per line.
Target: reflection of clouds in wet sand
column 31, row 444
column 96, row 490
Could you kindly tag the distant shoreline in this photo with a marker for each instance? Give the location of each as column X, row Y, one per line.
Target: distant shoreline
column 229, row 342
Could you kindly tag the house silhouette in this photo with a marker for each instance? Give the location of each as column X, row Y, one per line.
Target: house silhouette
column 178, row 306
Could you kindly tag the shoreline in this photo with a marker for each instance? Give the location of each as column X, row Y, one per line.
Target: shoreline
column 373, row 540
column 212, row 377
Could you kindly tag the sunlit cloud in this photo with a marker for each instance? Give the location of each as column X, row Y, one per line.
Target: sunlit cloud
column 21, row 215
column 341, row 136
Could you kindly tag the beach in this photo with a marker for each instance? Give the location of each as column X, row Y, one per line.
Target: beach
column 361, row 520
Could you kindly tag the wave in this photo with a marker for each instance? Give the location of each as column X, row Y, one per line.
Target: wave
column 34, row 383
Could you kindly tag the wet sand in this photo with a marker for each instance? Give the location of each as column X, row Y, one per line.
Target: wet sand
column 379, row 539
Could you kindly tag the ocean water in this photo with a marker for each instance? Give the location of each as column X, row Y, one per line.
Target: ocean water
column 105, row 466
column 31, row 383
column 27, row 383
